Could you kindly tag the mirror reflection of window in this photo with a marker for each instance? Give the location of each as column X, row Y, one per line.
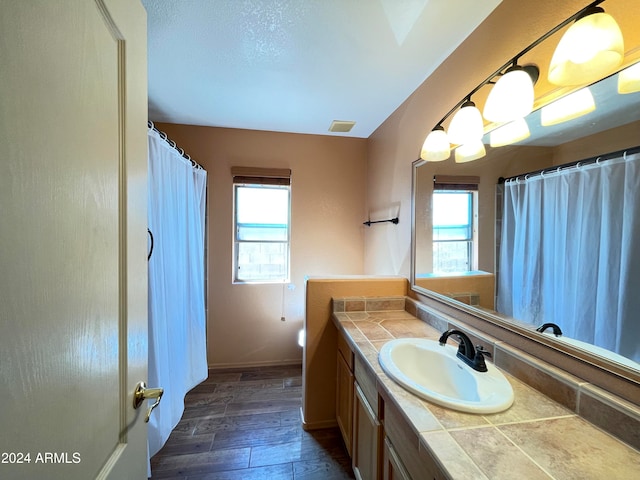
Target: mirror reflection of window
column 453, row 231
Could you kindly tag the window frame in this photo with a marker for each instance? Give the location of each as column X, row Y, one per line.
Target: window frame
column 260, row 183
column 470, row 189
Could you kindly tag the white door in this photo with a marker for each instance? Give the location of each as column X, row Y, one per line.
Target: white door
column 73, row 274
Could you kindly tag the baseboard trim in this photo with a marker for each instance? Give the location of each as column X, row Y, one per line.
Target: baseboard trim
column 316, row 425
column 235, row 366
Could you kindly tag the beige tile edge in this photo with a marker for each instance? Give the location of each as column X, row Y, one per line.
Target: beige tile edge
column 538, row 364
column 444, row 450
column 616, row 416
column 611, row 400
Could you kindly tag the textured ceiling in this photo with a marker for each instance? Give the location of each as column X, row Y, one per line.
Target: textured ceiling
column 297, row 65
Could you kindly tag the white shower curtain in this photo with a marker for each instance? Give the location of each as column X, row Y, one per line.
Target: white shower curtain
column 177, row 337
column 570, row 253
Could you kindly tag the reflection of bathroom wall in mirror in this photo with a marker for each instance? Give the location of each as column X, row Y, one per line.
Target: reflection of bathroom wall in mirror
column 613, row 126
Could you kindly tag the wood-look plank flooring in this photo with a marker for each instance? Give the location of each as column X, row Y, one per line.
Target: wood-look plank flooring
column 245, row 425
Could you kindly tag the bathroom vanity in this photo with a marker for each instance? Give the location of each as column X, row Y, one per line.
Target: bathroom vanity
column 391, row 433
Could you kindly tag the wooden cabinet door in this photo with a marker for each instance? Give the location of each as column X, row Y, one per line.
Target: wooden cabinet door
column 366, row 441
column 392, row 468
column 344, row 402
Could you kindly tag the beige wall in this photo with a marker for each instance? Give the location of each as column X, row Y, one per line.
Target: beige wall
column 612, row 140
column 319, row 366
column 328, row 192
column 472, row 289
column 397, row 142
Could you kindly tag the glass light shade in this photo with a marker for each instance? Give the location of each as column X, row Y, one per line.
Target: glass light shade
column 466, row 125
column 510, row 98
column 509, row 133
column 470, row 151
column 629, row 79
column 590, row 49
column 436, row 146
column 567, row 108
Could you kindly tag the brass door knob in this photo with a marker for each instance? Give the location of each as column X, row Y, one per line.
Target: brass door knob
column 143, row 393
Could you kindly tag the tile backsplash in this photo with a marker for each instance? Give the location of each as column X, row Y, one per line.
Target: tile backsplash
column 368, row 304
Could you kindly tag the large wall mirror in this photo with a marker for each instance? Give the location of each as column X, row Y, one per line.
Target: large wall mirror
column 612, row 128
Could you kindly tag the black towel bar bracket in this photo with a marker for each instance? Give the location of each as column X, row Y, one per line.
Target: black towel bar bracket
column 392, row 220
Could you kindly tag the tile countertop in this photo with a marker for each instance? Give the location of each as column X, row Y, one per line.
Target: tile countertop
column 536, row 438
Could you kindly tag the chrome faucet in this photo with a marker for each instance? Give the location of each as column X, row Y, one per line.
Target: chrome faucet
column 556, row 329
column 474, row 357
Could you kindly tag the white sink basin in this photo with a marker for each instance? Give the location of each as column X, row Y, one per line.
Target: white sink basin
column 432, row 371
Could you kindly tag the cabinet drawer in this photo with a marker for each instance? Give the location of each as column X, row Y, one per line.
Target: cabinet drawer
column 392, row 468
column 345, row 351
column 418, row 463
column 367, row 381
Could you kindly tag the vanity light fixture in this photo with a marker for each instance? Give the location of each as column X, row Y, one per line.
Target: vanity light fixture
column 509, row 133
column 470, row 151
column 466, row 125
column 436, row 147
column 589, row 50
column 629, row 79
column 599, row 52
column 512, row 96
column 567, row 108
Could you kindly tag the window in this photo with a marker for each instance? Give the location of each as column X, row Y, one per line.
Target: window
column 454, row 231
column 261, row 228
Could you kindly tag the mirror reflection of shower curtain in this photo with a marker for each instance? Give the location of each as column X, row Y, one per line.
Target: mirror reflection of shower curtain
column 177, row 332
column 570, row 255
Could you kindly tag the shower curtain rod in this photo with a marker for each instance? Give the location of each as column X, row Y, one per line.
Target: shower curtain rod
column 566, row 166
column 173, row 144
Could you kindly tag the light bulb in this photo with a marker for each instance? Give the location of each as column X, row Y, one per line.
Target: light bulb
column 567, row 108
column 466, row 125
column 511, row 97
column 509, row 133
column 629, row 79
column 436, row 146
column 590, row 49
column 470, row 151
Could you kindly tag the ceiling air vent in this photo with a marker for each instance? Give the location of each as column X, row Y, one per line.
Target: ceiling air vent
column 341, row 126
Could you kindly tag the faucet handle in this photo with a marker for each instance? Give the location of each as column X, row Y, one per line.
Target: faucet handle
column 478, row 361
column 481, row 351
